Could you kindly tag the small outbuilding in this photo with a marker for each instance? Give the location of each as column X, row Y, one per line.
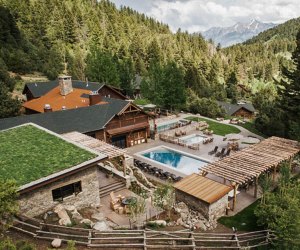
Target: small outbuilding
column 208, row 197
column 49, row 169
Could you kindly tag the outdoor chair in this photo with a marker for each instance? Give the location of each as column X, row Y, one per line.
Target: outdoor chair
column 178, row 178
column 218, row 154
column 213, row 151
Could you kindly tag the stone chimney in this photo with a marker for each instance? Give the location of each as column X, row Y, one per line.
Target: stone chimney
column 47, row 108
column 94, row 98
column 65, row 85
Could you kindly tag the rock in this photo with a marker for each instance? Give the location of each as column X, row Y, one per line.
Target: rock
column 101, row 226
column 63, row 215
column 87, row 222
column 56, row 243
column 159, row 222
column 70, row 208
column 179, row 222
column 183, row 207
column 184, row 216
column 76, row 216
column 98, row 216
column 186, row 226
column 200, row 225
column 45, row 216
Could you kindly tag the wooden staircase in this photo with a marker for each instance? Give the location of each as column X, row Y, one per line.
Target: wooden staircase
column 112, row 187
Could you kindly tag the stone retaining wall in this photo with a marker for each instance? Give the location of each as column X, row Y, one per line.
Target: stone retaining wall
column 39, row 201
column 209, row 211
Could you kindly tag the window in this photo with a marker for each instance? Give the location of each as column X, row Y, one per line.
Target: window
column 60, row 193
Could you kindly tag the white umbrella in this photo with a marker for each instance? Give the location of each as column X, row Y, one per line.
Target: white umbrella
column 234, row 137
column 251, row 140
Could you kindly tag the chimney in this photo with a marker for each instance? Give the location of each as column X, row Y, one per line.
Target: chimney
column 65, row 85
column 47, row 108
column 94, row 98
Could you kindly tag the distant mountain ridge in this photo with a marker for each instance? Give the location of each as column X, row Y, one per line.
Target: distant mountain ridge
column 238, row 33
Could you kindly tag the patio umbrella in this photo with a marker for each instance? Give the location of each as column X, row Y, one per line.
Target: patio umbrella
column 234, row 137
column 251, row 140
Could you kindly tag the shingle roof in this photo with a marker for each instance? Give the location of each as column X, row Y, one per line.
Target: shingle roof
column 230, row 109
column 85, row 119
column 73, row 100
column 202, row 188
column 39, row 89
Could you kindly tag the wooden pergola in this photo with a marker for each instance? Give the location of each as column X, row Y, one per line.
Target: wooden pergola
column 95, row 144
column 248, row 164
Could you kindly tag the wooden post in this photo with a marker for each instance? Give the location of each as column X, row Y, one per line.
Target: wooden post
column 235, row 186
column 124, row 165
column 256, row 187
column 224, row 180
column 274, row 173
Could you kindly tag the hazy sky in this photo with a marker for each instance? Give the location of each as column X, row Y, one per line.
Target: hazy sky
column 199, row 15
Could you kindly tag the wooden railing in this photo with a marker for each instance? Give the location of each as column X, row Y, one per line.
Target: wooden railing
column 144, row 239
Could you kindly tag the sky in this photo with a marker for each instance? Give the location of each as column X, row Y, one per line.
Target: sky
column 200, row 15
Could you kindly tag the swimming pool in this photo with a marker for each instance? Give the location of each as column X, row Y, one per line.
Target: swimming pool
column 194, row 138
column 174, row 159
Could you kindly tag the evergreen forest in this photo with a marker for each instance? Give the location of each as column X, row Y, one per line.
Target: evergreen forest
column 94, row 40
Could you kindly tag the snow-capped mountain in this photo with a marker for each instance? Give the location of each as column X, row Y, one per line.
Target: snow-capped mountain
column 237, row 33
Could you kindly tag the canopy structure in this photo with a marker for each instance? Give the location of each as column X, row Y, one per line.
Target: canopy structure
column 249, row 163
column 95, row 144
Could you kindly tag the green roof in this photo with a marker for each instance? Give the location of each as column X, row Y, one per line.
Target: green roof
column 28, row 153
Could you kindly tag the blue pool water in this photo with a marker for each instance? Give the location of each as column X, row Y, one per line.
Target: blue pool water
column 184, row 163
column 194, row 138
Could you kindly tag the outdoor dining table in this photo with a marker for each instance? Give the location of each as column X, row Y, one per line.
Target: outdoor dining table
column 129, row 200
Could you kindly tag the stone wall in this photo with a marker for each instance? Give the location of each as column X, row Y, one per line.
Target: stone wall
column 218, row 208
column 193, row 203
column 209, row 211
column 39, row 201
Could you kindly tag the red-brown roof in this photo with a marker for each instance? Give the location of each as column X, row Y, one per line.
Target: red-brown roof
column 73, row 100
column 202, row 188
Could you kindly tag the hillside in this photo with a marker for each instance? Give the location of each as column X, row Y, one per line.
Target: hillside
column 287, row 30
column 237, row 33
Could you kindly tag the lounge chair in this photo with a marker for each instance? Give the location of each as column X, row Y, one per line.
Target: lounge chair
column 213, row 151
column 218, row 154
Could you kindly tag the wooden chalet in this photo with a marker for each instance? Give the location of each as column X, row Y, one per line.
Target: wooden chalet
column 115, row 121
column 241, row 109
column 64, row 93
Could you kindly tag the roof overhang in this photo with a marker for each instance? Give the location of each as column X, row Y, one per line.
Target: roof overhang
column 130, row 128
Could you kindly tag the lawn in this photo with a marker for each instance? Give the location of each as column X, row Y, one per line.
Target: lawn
column 141, row 102
column 218, row 128
column 244, row 220
column 29, row 153
column 250, row 126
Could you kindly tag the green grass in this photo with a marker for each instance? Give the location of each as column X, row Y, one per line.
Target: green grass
column 244, row 220
column 29, row 153
column 250, row 126
column 218, row 128
column 141, row 102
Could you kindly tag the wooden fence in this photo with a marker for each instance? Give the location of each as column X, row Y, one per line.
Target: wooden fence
column 143, row 239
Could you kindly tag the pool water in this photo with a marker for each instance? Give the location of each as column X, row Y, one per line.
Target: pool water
column 184, row 163
column 194, row 138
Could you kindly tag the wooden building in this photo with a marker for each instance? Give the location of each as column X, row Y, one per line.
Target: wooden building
column 241, row 109
column 208, row 197
column 118, row 122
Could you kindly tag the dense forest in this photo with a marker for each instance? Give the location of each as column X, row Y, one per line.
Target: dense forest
column 95, row 40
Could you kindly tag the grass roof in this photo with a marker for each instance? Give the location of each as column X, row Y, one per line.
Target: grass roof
column 28, row 153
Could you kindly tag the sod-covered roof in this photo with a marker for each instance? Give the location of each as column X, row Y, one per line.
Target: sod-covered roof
column 28, row 153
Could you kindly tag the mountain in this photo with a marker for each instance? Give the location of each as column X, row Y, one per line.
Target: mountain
column 237, row 33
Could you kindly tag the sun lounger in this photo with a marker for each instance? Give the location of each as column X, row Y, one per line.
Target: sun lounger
column 213, row 151
column 218, row 154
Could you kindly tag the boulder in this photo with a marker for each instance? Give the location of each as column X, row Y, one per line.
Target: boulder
column 200, row 225
column 63, row 215
column 179, row 222
column 159, row 222
column 56, row 243
column 101, row 226
column 87, row 222
column 70, row 208
column 98, row 216
column 76, row 215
